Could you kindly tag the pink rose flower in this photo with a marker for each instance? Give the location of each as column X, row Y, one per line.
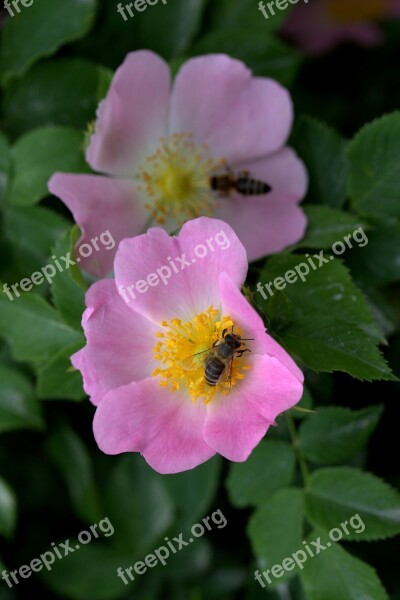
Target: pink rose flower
column 172, row 298
column 321, row 25
column 156, row 149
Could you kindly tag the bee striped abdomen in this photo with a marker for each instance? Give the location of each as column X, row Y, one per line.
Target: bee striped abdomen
column 213, row 370
column 251, row 187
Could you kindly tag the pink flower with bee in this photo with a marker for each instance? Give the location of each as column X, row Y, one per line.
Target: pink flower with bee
column 160, row 150
column 182, row 368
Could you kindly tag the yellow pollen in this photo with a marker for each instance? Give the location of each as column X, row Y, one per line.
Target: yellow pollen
column 356, row 11
column 176, row 179
column 182, row 349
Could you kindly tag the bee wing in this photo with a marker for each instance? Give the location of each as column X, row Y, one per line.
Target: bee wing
column 226, row 377
column 194, row 360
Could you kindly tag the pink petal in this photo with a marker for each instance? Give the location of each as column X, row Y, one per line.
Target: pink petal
column 233, row 427
column 236, row 115
column 119, row 346
column 269, row 223
column 186, row 292
column 238, row 308
column 314, row 31
column 133, row 116
column 164, row 426
column 100, row 205
column 394, row 7
column 236, row 423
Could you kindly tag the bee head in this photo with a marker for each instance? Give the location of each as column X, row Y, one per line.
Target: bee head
column 234, row 341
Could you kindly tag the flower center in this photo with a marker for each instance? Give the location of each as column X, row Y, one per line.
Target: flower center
column 356, row 11
column 183, row 348
column 177, row 179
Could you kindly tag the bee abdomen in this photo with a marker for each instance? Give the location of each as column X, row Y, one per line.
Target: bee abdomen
column 252, row 187
column 213, row 371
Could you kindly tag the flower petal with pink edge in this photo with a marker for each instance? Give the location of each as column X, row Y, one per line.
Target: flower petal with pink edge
column 165, row 427
column 119, row 346
column 233, row 427
column 238, row 116
column 190, row 290
column 236, row 423
column 265, row 224
column 269, row 223
column 241, row 312
column 100, row 204
column 133, row 116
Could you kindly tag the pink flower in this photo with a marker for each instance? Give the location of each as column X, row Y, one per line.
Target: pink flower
column 141, row 365
column 321, row 25
column 157, row 148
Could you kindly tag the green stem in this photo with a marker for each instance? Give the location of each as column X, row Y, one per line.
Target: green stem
column 295, row 443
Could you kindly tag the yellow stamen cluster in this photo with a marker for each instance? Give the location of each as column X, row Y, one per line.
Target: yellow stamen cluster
column 177, row 179
column 356, row 11
column 182, row 349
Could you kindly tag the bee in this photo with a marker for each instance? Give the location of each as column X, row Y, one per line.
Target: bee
column 219, row 359
column 242, row 183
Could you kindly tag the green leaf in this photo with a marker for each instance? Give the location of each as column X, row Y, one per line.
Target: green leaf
column 336, row 494
column 5, row 164
column 68, row 296
column 96, row 581
column 269, row 467
column 8, row 509
column 334, row 574
column 57, row 381
column 266, row 55
column 35, row 330
column 276, row 530
column 326, row 344
column 228, row 15
column 40, row 153
column 43, row 97
column 323, row 151
column 193, row 491
column 328, row 291
column 334, row 434
column 19, row 408
column 40, row 30
column 326, row 226
column 32, row 231
column 72, row 459
column 374, row 178
column 139, row 518
column 169, row 29
column 326, row 320
column 378, row 263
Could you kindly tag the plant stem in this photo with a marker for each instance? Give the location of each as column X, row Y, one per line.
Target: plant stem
column 295, row 443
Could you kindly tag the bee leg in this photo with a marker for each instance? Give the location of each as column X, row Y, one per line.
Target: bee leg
column 241, row 352
column 224, row 333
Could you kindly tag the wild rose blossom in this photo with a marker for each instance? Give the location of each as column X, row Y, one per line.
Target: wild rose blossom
column 321, row 25
column 141, row 366
column 156, row 148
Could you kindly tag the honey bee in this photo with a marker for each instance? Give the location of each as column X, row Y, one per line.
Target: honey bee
column 242, row 183
column 219, row 359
